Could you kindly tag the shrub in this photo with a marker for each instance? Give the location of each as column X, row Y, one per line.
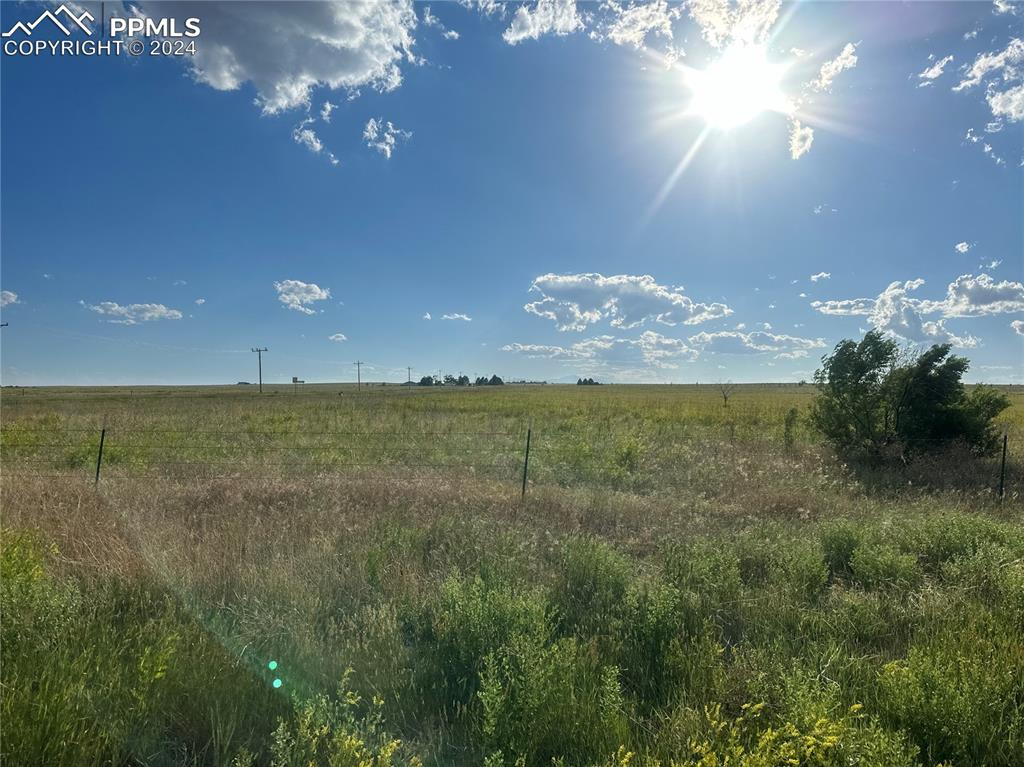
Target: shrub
column 541, row 702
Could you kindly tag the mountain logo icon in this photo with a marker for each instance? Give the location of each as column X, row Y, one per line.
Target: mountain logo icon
column 67, row 26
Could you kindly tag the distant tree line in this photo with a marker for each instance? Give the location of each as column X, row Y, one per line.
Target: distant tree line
column 587, row 382
column 462, row 380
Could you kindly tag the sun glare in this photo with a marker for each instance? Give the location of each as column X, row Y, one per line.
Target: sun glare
column 737, row 87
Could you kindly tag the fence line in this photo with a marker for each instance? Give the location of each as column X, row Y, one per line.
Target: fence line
column 638, row 461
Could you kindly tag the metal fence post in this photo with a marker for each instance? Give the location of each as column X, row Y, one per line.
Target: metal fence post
column 526, row 457
column 1002, row 469
column 99, row 455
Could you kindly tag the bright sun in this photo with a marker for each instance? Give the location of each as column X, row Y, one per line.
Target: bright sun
column 737, row 87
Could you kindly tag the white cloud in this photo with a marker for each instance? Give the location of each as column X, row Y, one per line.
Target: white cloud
column 994, row 264
column 430, row 20
column 8, row 297
column 132, row 314
column 1006, row 62
column 1018, row 327
column 932, row 73
column 1003, row 6
column 631, row 25
column 1008, row 104
column 306, row 136
column 325, row 111
column 457, row 316
column 800, row 139
column 821, row 276
column 819, row 209
column 383, row 136
column 287, row 50
column 722, row 22
column 970, row 296
column 962, row 247
column 847, row 59
column 574, row 301
column 337, row 337
column 427, row 316
column 200, row 301
column 298, row 296
column 649, row 350
column 900, row 314
column 558, row 17
column 755, row 342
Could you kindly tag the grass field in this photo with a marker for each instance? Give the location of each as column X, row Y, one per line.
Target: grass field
column 342, row 577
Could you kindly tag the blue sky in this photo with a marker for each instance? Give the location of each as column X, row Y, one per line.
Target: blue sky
column 518, row 169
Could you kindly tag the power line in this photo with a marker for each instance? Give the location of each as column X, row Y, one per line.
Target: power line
column 259, row 355
column 359, row 377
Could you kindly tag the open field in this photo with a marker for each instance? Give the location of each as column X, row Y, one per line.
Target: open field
column 684, row 582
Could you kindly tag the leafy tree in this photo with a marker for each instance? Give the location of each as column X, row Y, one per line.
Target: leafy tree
column 873, row 397
column 449, row 380
column 462, row 381
column 427, row 381
column 480, row 381
column 495, row 381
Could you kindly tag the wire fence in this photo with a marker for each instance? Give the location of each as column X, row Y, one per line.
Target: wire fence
column 522, row 457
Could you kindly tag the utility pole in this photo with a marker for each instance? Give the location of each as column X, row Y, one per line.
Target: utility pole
column 407, row 368
column 259, row 355
column 359, row 377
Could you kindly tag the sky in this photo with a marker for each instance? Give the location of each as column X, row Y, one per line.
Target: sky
column 646, row 192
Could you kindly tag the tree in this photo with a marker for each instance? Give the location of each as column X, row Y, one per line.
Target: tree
column 725, row 389
column 427, row 381
column 450, row 380
column 872, row 397
column 495, row 381
column 462, row 380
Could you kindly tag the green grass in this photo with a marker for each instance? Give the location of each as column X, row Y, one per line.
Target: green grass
column 679, row 587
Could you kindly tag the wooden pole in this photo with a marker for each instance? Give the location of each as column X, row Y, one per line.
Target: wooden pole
column 1002, row 469
column 526, row 458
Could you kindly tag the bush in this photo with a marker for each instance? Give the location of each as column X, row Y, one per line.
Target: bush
column 872, row 398
column 542, row 702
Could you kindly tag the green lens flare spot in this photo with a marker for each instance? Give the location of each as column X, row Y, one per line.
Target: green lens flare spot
column 277, row 683
column 272, row 665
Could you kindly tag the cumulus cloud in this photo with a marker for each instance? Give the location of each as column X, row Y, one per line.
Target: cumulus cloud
column 1003, row 6
column 899, row 313
column 962, row 247
column 132, row 314
column 821, row 276
column 574, row 301
column 755, row 342
column 800, row 139
column 1005, row 63
column 723, row 22
column 970, row 296
column 1018, row 327
column 847, row 59
column 287, row 49
column 299, row 296
column 934, row 72
column 384, row 136
column 631, row 25
column 457, row 316
column 427, row 316
column 1007, row 104
column 557, row 17
column 337, row 337
column 649, row 350
column 8, row 297
column 200, row 301
column 325, row 111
